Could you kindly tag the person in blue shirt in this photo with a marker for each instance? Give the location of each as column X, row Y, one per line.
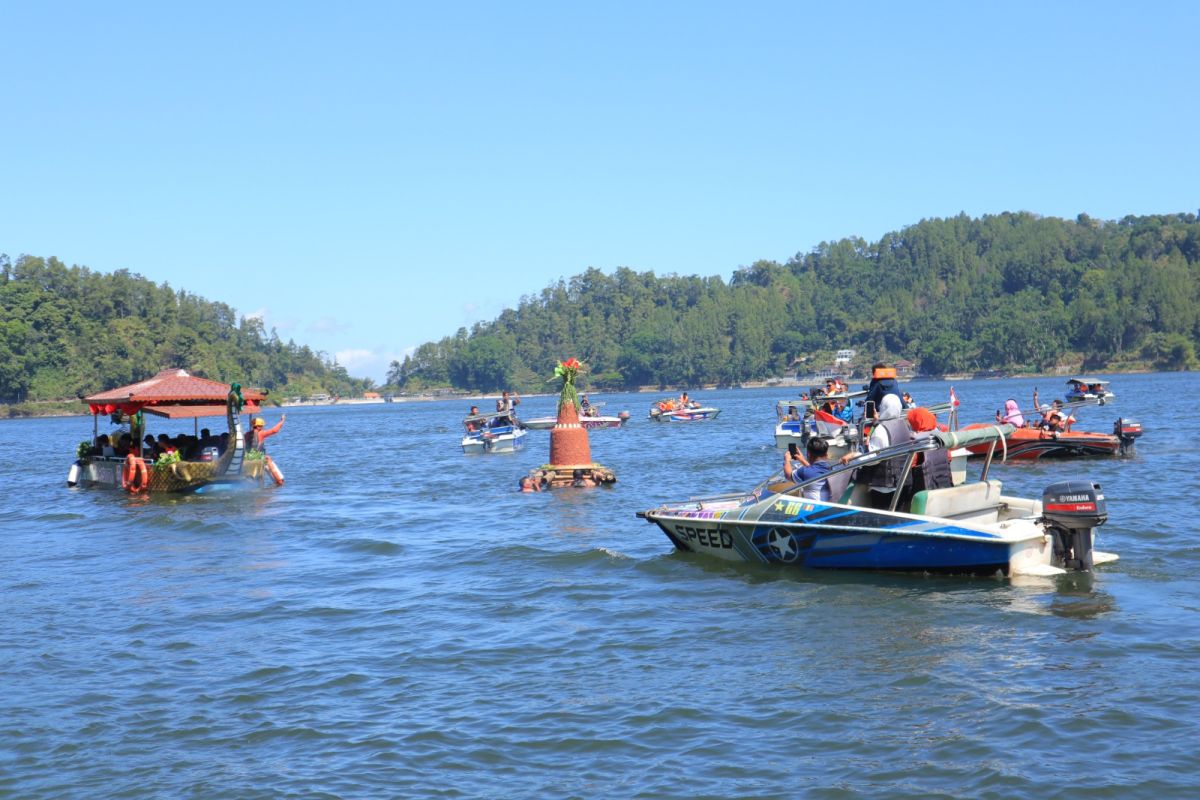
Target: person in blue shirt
column 800, row 469
column 844, row 411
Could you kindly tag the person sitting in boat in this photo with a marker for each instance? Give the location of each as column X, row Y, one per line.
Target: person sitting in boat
column 843, row 411
column 164, row 445
column 586, row 408
column 907, row 401
column 256, row 439
column 686, row 402
column 223, row 442
column 473, row 424
column 149, row 447
column 1067, row 419
column 103, row 447
column 1012, row 414
column 883, row 383
column 932, row 468
column 890, row 430
column 799, row 469
column 792, row 414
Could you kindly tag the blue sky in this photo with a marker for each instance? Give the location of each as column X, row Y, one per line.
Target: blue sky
column 370, row 176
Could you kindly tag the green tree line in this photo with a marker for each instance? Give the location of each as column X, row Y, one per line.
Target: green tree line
column 69, row 331
column 1012, row 291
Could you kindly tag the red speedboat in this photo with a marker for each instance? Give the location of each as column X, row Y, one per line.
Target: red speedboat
column 1030, row 443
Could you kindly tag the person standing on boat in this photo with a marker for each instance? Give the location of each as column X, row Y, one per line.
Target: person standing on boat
column 255, row 440
column 507, row 406
column 799, row 469
column 883, row 383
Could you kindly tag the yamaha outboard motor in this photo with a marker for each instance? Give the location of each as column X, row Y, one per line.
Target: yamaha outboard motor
column 1128, row 431
column 1071, row 510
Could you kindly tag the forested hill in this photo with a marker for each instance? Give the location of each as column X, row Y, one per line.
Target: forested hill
column 66, row 331
column 1012, row 291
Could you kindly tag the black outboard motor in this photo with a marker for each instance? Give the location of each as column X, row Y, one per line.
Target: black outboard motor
column 1071, row 510
column 1128, row 431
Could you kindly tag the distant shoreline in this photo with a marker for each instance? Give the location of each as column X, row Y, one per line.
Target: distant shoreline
column 63, row 408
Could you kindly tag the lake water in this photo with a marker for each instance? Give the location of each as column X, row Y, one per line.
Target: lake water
column 398, row 621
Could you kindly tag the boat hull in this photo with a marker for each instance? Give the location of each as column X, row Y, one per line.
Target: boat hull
column 505, row 441
column 182, row 477
column 1028, row 444
column 590, row 423
column 690, row 415
column 815, row 535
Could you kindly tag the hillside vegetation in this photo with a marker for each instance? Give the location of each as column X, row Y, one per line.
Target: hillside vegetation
column 68, row 331
column 1013, row 291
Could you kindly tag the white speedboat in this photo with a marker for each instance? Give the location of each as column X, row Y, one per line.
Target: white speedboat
column 598, row 422
column 967, row 527
column 1089, row 390
column 493, row 433
column 670, row 411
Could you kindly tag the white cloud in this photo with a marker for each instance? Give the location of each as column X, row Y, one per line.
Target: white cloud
column 328, row 325
column 353, row 359
column 373, row 364
column 259, row 314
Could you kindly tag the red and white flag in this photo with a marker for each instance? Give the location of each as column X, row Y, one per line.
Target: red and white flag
column 953, row 398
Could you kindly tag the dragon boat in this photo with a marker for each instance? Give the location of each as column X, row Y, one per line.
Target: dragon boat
column 172, row 394
column 966, row 527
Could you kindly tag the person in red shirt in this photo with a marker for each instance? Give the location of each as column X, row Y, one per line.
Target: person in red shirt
column 258, row 434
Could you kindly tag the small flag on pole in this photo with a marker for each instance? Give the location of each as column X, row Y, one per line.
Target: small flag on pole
column 953, row 398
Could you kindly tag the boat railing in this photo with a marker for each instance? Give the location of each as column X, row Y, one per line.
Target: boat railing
column 937, row 440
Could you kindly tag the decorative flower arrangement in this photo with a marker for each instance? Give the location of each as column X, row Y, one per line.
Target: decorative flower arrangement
column 254, row 455
column 167, row 459
column 84, row 450
column 567, row 371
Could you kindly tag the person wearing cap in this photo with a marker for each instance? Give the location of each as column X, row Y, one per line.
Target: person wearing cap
column 258, row 434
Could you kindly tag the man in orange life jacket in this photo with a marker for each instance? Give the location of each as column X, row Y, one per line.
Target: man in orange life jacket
column 254, row 441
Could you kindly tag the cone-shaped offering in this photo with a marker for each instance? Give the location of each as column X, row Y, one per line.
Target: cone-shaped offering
column 570, row 451
column 569, row 444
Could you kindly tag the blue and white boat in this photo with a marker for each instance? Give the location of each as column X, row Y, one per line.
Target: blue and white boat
column 967, row 527
column 493, row 433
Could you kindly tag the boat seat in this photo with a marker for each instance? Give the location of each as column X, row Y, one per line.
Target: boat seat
column 971, row 500
column 840, row 488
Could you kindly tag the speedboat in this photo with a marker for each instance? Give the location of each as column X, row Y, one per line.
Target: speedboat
column 1089, row 390
column 968, row 527
column 598, row 422
column 172, row 394
column 493, row 433
column 797, row 420
column 1027, row 444
column 670, row 411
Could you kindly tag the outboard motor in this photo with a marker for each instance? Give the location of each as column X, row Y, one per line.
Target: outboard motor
column 1071, row 510
column 1128, row 431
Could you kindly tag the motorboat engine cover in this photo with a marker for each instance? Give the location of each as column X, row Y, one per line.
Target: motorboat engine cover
column 1127, row 428
column 1074, row 505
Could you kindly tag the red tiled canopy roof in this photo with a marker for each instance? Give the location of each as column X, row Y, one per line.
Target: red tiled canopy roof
column 173, row 386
